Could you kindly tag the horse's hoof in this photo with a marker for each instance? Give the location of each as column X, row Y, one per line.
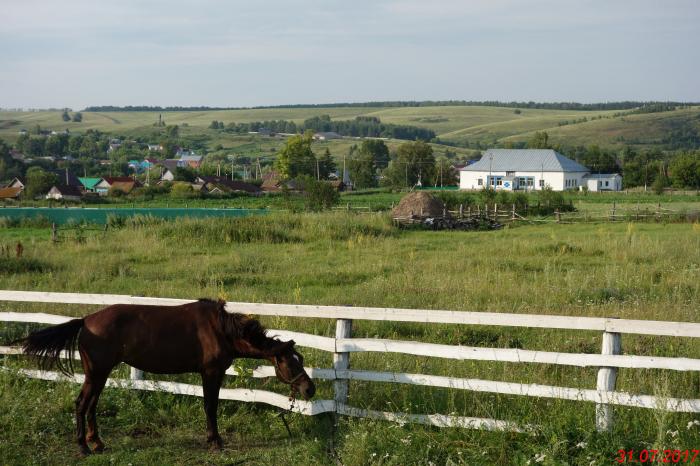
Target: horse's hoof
column 215, row 444
column 98, row 448
column 84, row 451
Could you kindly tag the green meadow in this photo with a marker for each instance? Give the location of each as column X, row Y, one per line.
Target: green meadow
column 626, row 270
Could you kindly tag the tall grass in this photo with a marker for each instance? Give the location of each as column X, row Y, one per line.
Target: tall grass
column 645, row 271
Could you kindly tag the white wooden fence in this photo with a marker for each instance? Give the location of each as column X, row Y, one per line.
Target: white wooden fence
column 604, row 395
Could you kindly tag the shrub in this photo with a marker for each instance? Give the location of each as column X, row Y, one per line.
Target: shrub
column 318, row 195
column 183, row 191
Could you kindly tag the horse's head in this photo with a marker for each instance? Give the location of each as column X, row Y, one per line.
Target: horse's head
column 289, row 368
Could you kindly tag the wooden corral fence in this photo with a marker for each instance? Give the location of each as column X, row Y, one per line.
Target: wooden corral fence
column 512, row 213
column 343, row 345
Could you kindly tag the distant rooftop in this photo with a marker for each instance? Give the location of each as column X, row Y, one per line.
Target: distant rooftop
column 525, row 160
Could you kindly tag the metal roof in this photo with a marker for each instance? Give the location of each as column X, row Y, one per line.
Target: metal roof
column 525, row 160
column 603, row 175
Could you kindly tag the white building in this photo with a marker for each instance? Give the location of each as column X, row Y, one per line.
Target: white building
column 605, row 182
column 526, row 169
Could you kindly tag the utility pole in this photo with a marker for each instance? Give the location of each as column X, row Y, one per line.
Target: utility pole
column 318, row 173
column 148, row 174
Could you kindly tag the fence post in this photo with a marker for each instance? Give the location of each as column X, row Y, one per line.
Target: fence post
column 341, row 361
column 136, row 374
column 54, row 237
column 607, row 376
column 557, row 214
column 461, row 210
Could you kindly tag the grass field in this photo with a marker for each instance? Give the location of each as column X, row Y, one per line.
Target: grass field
column 641, row 271
column 487, row 125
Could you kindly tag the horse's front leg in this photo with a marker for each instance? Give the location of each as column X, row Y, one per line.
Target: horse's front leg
column 211, row 383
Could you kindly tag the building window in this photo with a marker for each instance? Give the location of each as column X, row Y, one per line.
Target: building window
column 541, row 183
column 499, row 181
column 510, row 173
column 480, row 182
column 606, row 184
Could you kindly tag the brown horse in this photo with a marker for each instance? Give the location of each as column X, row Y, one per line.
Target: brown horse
column 196, row 337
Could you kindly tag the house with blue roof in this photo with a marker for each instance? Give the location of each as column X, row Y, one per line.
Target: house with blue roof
column 531, row 169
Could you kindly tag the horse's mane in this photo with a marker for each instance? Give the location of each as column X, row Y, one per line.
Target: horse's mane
column 241, row 326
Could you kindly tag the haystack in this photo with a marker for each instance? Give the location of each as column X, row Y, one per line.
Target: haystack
column 418, row 204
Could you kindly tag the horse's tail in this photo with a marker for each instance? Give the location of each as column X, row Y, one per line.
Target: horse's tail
column 45, row 345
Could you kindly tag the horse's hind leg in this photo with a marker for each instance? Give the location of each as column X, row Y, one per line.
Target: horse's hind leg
column 80, row 409
column 92, row 435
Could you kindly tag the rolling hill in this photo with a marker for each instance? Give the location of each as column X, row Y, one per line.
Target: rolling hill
column 464, row 126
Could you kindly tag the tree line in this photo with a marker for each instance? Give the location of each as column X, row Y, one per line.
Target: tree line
column 619, row 105
column 361, row 126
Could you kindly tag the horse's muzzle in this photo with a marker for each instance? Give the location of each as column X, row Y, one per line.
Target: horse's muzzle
column 307, row 389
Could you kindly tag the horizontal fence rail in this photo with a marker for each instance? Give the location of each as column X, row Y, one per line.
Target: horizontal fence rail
column 600, row 324
column 342, row 345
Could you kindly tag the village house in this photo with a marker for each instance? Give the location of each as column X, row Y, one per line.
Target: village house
column 64, row 193
column 223, row 185
column 16, row 183
column 111, row 183
column 604, row 182
column 528, row 170
column 192, row 161
column 89, row 184
column 10, row 193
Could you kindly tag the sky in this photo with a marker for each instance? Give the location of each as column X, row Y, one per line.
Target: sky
column 76, row 53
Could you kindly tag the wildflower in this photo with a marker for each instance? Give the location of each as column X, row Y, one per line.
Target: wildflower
column 672, row 433
column 581, row 445
column 540, row 457
column 693, row 423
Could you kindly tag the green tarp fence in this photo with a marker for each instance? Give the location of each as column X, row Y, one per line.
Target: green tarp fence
column 62, row 216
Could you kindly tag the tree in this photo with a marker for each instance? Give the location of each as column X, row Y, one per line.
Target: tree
column 184, row 174
column 378, row 150
column 326, row 165
column 35, row 146
column 539, row 140
column 685, row 171
column 296, row 157
column 39, row 182
column 318, row 195
column 413, row 162
column 65, row 115
column 172, row 131
column 445, row 174
column 77, row 117
column 363, row 170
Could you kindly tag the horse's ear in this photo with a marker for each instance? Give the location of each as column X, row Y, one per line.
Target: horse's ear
column 284, row 347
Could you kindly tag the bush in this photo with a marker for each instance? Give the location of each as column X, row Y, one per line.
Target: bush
column 318, row 195
column 453, row 200
column 116, row 192
column 183, row 191
column 487, row 195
